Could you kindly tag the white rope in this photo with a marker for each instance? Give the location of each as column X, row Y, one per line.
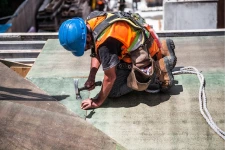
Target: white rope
column 202, row 98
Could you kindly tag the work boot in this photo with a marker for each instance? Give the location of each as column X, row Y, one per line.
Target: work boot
column 164, row 74
column 153, row 88
column 167, row 49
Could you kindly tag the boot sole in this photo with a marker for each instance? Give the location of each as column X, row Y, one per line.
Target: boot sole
column 168, row 70
column 173, row 58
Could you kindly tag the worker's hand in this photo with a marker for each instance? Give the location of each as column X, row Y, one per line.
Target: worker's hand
column 90, row 84
column 88, row 103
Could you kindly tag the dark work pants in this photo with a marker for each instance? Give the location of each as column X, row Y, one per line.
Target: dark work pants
column 120, row 85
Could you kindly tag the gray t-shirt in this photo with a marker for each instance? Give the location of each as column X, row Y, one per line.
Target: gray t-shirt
column 109, row 52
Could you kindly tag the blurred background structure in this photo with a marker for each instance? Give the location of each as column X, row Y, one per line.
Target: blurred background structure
column 47, row 15
column 189, row 15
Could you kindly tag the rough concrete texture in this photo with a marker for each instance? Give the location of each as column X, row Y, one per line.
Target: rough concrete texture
column 31, row 119
column 55, row 70
column 140, row 120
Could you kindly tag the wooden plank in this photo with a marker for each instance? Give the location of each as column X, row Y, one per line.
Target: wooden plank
column 12, row 63
column 22, row 71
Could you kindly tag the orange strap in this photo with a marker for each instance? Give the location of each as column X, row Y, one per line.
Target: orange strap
column 154, row 48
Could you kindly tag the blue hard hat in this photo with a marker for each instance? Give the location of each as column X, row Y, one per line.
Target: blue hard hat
column 72, row 35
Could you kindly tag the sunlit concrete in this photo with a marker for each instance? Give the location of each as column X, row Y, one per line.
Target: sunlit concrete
column 141, row 120
column 31, row 119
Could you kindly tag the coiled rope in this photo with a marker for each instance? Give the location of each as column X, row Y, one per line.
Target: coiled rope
column 202, row 98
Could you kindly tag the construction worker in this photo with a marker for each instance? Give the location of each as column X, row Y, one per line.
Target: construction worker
column 130, row 61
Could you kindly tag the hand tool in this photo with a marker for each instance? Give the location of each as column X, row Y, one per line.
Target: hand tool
column 77, row 89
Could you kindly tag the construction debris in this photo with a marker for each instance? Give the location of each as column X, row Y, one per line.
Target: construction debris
column 53, row 12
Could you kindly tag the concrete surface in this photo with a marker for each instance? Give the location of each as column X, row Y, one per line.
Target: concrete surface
column 31, row 119
column 140, row 120
column 59, row 68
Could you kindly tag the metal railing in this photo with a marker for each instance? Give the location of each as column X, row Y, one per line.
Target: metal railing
column 25, row 47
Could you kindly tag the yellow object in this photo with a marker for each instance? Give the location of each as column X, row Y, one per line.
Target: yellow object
column 93, row 5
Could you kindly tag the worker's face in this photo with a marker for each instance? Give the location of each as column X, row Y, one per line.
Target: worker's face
column 88, row 42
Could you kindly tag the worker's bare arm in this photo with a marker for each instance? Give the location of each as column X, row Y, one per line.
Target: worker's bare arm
column 95, row 63
column 108, row 81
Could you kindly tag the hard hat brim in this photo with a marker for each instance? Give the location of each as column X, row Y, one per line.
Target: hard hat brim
column 72, row 35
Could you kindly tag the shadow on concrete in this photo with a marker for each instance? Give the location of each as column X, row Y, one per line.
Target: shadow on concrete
column 60, row 97
column 90, row 114
column 135, row 98
column 20, row 94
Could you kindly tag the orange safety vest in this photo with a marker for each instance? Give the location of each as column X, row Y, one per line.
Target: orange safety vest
column 123, row 32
